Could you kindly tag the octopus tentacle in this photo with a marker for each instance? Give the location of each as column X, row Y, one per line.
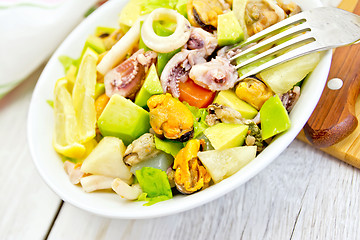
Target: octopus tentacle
column 176, row 70
column 216, row 75
column 200, row 45
column 202, row 40
column 127, row 78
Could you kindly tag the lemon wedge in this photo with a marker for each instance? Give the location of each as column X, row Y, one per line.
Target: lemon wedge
column 83, row 96
column 65, row 133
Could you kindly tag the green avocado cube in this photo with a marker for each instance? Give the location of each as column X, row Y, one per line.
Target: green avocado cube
column 103, row 31
column 274, row 117
column 95, row 43
column 99, row 90
column 150, row 87
column 130, row 13
column 226, row 135
column 123, row 119
column 228, row 98
column 164, row 58
column 229, row 30
column 244, row 70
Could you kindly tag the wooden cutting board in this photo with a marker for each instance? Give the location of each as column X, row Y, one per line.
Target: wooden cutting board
column 347, row 150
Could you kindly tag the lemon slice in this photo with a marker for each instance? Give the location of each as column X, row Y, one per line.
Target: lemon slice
column 83, row 96
column 65, row 133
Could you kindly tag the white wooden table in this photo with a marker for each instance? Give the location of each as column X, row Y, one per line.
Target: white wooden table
column 303, row 194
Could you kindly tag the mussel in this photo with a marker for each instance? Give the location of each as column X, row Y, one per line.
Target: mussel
column 260, row 14
column 204, row 13
column 190, row 174
column 109, row 39
column 223, row 114
column 140, row 149
column 290, row 98
column 253, row 91
column 170, row 118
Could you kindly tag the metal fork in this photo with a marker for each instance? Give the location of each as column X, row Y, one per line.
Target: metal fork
column 319, row 29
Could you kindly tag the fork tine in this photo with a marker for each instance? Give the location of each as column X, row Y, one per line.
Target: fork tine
column 274, row 28
column 322, row 23
column 288, row 33
column 298, row 52
column 291, row 42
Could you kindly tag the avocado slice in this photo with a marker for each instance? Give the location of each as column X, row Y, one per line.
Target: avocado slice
column 229, row 30
column 130, row 13
column 150, row 87
column 244, row 70
column 123, row 119
column 102, row 31
column 226, row 135
column 228, row 98
column 99, row 90
column 95, row 43
column 274, row 117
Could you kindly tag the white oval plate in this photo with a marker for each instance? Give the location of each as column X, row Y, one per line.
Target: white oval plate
column 49, row 164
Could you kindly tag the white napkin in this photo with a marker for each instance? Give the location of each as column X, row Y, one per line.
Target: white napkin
column 30, row 31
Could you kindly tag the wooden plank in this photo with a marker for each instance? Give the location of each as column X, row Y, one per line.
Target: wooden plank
column 348, row 5
column 270, row 206
column 27, row 206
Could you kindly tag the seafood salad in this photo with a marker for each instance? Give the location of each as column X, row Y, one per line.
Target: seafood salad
column 155, row 107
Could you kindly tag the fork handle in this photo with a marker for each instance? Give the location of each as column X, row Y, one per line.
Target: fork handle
column 334, row 116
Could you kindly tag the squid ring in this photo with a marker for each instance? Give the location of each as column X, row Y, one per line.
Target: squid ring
column 169, row 43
